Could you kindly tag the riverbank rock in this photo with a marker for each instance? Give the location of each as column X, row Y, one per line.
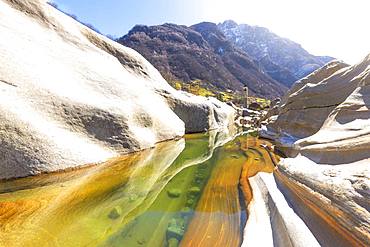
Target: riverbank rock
column 305, row 107
column 69, row 96
column 323, row 126
column 270, row 214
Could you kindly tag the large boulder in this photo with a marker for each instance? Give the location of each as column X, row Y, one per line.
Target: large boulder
column 324, row 127
column 307, row 104
column 69, row 96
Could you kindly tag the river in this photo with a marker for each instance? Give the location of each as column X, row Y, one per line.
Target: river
column 188, row 192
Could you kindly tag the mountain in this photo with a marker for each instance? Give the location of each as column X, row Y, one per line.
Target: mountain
column 281, row 58
column 200, row 52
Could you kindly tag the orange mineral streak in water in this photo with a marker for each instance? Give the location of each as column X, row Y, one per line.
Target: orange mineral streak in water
column 217, row 220
column 305, row 197
column 26, row 221
column 259, row 160
column 86, row 207
column 73, row 208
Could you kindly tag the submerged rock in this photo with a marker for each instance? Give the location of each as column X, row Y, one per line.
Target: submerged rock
column 194, row 190
column 176, row 229
column 190, row 202
column 69, row 96
column 173, row 242
column 185, row 211
column 141, row 241
column 115, row 213
column 174, row 193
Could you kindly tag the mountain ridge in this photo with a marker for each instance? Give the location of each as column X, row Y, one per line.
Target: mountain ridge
column 283, row 59
column 200, row 52
column 226, row 56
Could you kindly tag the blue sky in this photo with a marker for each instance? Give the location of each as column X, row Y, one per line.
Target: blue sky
column 117, row 17
column 337, row 28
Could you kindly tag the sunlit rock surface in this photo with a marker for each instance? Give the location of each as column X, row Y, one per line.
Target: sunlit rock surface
column 69, row 96
column 271, row 215
column 268, row 211
column 324, row 127
column 308, row 103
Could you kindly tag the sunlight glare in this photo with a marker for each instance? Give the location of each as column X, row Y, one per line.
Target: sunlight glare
column 335, row 28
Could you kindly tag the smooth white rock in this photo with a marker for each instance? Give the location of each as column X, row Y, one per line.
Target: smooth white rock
column 70, row 97
column 271, row 220
column 323, row 126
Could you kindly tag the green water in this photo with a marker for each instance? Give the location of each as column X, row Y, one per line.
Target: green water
column 146, row 199
column 165, row 220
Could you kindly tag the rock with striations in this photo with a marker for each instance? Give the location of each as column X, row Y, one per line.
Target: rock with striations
column 281, row 58
column 307, row 104
column 70, row 97
column 327, row 140
column 200, row 52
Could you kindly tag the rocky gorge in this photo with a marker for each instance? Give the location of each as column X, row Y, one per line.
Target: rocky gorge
column 97, row 149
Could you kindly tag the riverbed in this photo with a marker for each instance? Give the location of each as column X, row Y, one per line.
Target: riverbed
column 189, row 192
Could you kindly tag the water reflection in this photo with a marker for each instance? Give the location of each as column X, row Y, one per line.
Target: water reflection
column 89, row 207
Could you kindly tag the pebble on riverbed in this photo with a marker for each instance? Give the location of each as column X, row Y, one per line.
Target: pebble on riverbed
column 115, row 213
column 173, row 193
column 189, row 202
column 194, row 190
column 176, row 228
column 173, row 242
column 141, row 241
column 185, row 211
